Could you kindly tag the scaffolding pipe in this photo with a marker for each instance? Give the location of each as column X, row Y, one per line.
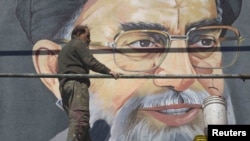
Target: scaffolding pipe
column 127, row 76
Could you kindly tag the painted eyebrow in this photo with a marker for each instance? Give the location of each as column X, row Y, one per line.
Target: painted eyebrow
column 156, row 26
column 142, row 26
column 208, row 22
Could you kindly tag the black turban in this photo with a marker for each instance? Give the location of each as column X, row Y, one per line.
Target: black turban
column 42, row 19
column 231, row 10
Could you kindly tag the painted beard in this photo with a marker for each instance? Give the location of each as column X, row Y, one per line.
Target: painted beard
column 132, row 125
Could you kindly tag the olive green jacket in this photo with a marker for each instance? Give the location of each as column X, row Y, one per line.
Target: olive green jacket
column 76, row 58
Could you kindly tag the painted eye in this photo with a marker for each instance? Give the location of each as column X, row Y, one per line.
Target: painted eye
column 142, row 44
column 202, row 42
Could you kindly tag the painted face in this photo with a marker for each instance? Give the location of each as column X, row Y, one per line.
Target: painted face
column 155, row 104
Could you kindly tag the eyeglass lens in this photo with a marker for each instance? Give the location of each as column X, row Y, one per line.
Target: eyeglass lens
column 145, row 50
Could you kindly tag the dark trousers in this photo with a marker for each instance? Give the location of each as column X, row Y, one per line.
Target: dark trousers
column 75, row 97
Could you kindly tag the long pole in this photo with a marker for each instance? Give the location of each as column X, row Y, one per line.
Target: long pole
column 128, row 76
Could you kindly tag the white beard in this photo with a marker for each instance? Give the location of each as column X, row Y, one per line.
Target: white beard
column 126, row 126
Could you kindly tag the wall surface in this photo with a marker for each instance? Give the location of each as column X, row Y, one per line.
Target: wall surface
column 28, row 108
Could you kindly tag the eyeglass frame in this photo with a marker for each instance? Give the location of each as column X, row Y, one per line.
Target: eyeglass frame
column 185, row 37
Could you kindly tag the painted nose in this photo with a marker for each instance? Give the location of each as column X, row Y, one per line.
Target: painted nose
column 176, row 62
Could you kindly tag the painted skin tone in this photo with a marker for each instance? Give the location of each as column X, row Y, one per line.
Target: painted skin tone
column 142, row 106
column 175, row 17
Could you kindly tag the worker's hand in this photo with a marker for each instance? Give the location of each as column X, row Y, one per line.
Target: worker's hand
column 116, row 75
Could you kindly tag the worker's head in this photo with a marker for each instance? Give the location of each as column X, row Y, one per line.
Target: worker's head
column 82, row 32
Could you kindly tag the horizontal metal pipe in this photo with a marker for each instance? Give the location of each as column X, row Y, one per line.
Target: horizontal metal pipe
column 136, row 76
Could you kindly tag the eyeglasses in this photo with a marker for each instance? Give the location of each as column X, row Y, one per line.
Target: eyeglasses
column 208, row 47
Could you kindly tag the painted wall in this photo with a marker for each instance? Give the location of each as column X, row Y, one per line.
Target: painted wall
column 28, row 105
